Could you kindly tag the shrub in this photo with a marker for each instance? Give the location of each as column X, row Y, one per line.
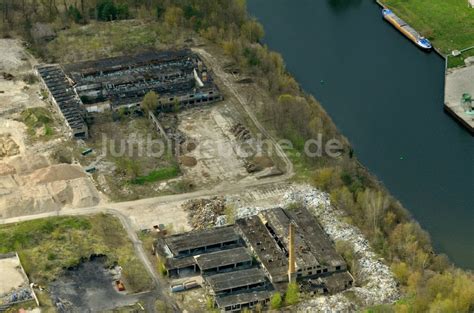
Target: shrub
column 276, row 301
column 292, row 295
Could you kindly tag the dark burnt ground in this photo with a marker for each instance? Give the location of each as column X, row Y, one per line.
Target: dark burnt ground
column 88, row 287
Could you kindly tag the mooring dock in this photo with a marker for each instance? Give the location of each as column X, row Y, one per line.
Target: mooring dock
column 459, row 95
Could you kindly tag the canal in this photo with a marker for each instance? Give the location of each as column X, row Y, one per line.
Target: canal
column 386, row 96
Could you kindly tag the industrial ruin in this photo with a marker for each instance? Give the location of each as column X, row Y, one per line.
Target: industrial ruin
column 243, row 264
column 179, row 78
column 65, row 98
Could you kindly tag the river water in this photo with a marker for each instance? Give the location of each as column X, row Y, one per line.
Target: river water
column 386, row 96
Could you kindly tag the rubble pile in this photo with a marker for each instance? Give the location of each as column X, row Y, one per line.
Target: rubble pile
column 240, row 132
column 17, row 296
column 379, row 284
column 176, row 136
column 248, row 211
column 8, row 146
column 252, row 167
column 204, row 213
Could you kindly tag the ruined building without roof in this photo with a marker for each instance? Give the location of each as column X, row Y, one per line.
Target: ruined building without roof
column 243, row 264
column 180, row 78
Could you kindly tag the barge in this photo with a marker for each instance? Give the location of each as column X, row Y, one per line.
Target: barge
column 407, row 30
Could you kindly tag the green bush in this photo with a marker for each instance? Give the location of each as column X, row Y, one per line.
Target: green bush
column 292, row 295
column 276, row 301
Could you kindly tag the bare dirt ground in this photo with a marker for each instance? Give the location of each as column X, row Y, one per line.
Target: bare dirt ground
column 15, row 94
column 30, row 182
column 217, row 152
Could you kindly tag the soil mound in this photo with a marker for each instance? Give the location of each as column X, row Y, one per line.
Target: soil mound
column 188, row 161
column 58, row 172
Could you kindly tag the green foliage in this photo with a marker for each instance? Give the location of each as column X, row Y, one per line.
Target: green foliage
column 162, row 268
column 30, row 78
column 123, row 12
column 190, row 11
column 129, row 167
column 252, row 31
column 229, row 212
column 74, row 13
column 150, row 102
column 346, row 250
column 210, row 303
column 292, row 295
column 157, row 175
column 276, row 301
column 174, row 17
column 252, row 57
column 160, row 10
column 29, row 234
column 107, row 10
column 38, row 119
column 47, row 246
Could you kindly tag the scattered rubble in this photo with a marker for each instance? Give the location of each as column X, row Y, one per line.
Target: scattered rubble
column 379, row 284
column 204, row 213
column 8, row 147
column 7, row 76
column 241, row 132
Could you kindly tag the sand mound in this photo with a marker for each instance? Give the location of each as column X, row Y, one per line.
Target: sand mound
column 28, row 163
column 30, row 185
column 54, row 173
column 79, row 192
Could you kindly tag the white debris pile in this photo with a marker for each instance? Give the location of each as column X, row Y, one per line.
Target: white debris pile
column 379, row 284
column 248, row 211
column 221, row 221
column 203, row 213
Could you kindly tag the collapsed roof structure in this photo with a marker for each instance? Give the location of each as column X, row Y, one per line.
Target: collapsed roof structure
column 243, row 264
column 63, row 96
column 179, row 78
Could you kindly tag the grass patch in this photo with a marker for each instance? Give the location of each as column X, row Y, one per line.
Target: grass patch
column 449, row 24
column 40, row 122
column 101, row 39
column 158, row 175
column 48, row 246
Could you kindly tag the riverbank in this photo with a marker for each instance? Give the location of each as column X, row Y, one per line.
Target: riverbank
column 449, row 24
